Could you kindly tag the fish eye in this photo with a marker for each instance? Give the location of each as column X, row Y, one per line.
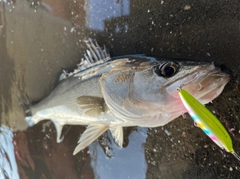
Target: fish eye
column 167, row 69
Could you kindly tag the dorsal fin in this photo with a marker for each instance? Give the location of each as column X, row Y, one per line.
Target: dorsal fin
column 94, row 55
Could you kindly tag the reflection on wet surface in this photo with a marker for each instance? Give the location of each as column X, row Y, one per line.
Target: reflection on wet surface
column 132, row 158
column 38, row 39
column 100, row 11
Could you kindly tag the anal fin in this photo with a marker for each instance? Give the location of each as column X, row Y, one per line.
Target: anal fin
column 117, row 134
column 58, row 131
column 90, row 134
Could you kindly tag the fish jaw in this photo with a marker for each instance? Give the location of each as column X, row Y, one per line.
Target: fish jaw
column 205, row 84
column 213, row 90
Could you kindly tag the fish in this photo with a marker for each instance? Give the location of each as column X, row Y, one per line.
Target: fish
column 109, row 93
column 207, row 122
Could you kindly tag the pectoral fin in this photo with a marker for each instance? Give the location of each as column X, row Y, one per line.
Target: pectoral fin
column 117, row 134
column 90, row 134
column 92, row 105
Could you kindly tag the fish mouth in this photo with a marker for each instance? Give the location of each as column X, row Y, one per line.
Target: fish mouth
column 205, row 83
column 207, row 87
column 211, row 86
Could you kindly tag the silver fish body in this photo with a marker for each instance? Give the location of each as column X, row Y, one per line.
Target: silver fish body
column 106, row 93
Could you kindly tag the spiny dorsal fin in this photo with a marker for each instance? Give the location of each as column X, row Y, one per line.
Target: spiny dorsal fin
column 92, row 132
column 94, row 55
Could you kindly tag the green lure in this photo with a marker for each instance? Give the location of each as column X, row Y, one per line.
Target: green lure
column 207, row 122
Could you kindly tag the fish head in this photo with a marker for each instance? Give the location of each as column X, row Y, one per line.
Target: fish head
column 203, row 80
column 148, row 87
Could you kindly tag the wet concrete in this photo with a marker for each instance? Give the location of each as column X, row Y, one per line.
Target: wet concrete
column 38, row 39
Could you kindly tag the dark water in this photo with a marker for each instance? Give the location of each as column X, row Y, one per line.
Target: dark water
column 38, row 39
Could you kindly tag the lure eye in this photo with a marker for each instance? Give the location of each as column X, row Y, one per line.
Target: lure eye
column 167, row 69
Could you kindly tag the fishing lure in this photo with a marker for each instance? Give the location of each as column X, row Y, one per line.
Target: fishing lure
column 207, row 122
